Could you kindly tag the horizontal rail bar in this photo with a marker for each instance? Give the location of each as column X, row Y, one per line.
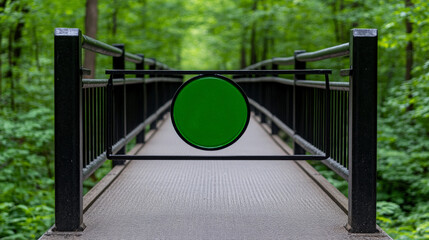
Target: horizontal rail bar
column 94, row 45
column 97, row 46
column 152, row 62
column 133, row 58
column 228, row 72
column 283, row 126
column 268, row 62
column 284, row 60
column 329, row 162
column 149, row 61
column 260, row 108
column 265, row 79
column 331, row 52
column 94, row 83
column 222, row 157
column 259, row 64
column 163, row 79
column 94, row 165
column 342, row 86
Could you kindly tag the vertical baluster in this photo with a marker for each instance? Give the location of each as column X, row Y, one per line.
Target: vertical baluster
column 341, row 122
column 346, row 123
column 102, row 120
column 154, row 98
column 91, row 125
column 85, row 126
column 142, row 101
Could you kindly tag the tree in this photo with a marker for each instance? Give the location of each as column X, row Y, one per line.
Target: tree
column 91, row 19
column 409, row 49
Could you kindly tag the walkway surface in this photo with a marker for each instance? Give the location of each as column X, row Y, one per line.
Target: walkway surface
column 214, row 199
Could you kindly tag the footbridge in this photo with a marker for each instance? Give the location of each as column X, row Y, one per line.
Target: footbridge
column 258, row 186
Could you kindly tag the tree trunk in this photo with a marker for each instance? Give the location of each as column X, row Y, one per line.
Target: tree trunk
column 114, row 18
column 409, row 49
column 343, row 33
column 267, row 32
column 243, row 62
column 91, row 17
column 253, row 46
column 264, row 48
column 336, row 24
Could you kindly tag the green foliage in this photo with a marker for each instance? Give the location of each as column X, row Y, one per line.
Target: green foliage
column 403, row 143
column 26, row 173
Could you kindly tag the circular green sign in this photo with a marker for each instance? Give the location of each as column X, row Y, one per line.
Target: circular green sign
column 210, row 112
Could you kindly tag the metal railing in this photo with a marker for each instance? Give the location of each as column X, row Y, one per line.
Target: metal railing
column 334, row 121
column 298, row 108
column 80, row 115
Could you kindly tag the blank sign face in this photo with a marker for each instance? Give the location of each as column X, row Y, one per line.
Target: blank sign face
column 210, row 112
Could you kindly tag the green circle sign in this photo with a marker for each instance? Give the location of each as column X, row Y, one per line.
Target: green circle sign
column 210, row 112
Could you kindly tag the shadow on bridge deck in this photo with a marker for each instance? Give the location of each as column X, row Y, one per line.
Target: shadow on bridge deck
column 214, row 199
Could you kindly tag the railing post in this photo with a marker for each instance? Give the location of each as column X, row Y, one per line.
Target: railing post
column 274, row 100
column 142, row 116
column 155, row 95
column 363, row 131
column 297, row 103
column 120, row 102
column 263, row 92
column 68, row 130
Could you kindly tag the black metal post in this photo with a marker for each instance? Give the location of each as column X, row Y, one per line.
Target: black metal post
column 298, row 108
column 262, row 96
column 120, row 102
column 363, row 131
column 142, row 106
column 68, row 130
column 275, row 100
column 155, row 96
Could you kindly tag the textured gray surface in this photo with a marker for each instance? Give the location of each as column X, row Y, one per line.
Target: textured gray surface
column 214, row 199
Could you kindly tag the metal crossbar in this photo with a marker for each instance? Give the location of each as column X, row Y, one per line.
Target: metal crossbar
column 226, row 72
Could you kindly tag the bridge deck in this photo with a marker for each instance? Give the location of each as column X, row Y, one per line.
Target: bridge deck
column 214, row 199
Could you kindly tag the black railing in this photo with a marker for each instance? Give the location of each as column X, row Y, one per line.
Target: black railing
column 298, row 108
column 80, row 115
column 329, row 120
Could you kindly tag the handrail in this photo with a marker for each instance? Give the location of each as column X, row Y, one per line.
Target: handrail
column 93, row 83
column 343, row 86
column 284, row 60
column 133, row 58
column 278, row 61
column 331, row 52
column 94, row 45
column 97, row 46
column 265, row 79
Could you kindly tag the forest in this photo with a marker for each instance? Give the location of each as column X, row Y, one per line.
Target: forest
column 217, row 34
